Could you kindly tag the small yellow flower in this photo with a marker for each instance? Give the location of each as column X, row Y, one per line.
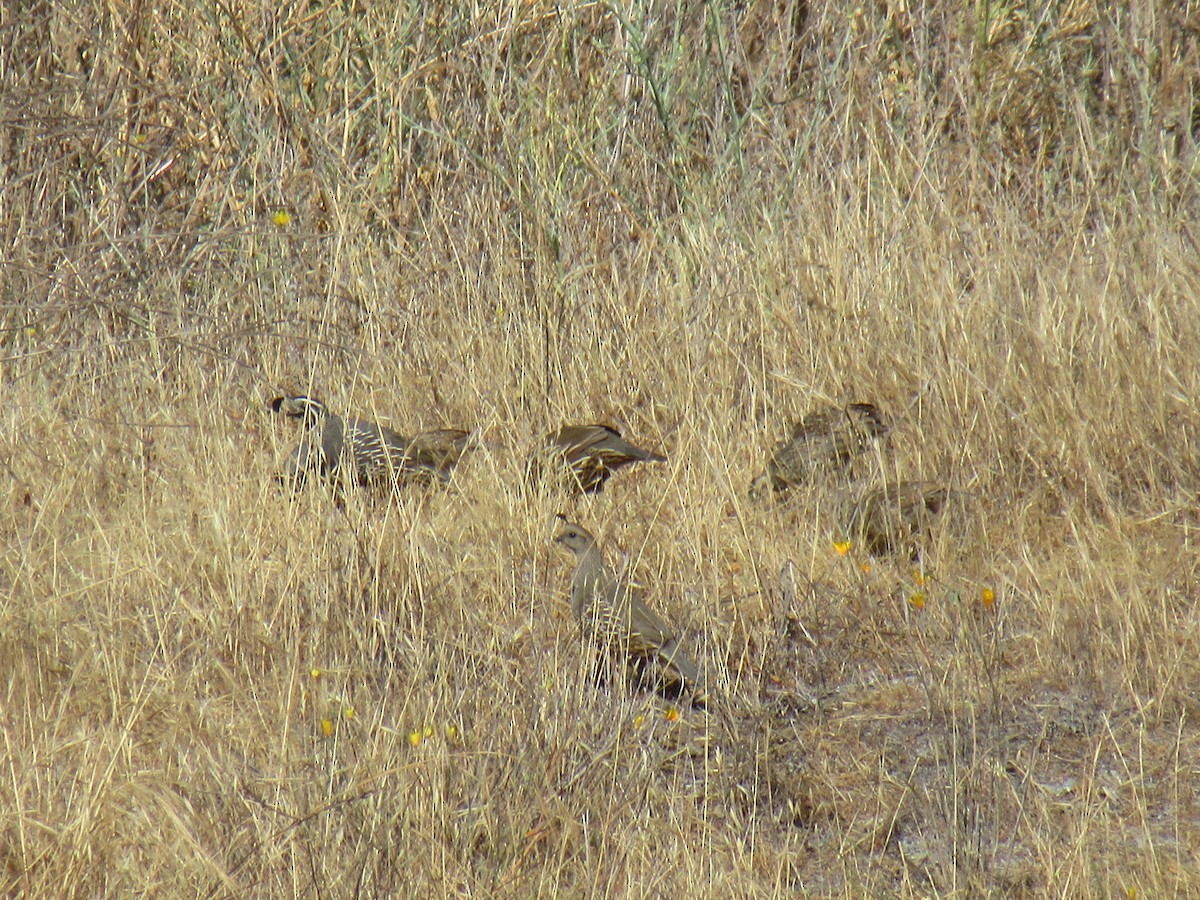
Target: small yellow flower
column 672, row 714
column 428, row 731
column 281, row 218
column 452, row 732
column 638, row 720
column 917, row 601
column 919, row 578
column 841, row 547
column 988, row 597
column 499, row 311
column 316, row 673
column 326, row 727
column 414, row 738
column 349, row 712
column 866, row 567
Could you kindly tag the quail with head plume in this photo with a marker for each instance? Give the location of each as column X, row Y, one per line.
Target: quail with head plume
column 357, row 451
column 826, row 438
column 590, row 454
column 888, row 518
column 614, row 616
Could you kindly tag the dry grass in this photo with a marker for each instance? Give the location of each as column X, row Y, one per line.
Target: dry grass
column 691, row 221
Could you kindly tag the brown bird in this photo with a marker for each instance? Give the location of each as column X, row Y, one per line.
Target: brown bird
column 825, row 439
column 887, row 518
column 438, row 450
column 614, row 616
column 353, row 450
column 591, row 453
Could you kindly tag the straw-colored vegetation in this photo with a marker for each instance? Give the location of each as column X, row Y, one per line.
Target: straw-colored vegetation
column 694, row 221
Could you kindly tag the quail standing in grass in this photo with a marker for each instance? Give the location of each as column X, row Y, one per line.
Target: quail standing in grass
column 827, row 438
column 617, row 620
column 886, row 519
column 353, row 450
column 588, row 455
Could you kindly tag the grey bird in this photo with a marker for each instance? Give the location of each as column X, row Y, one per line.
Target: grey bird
column 344, row 451
column 885, row 519
column 826, row 439
column 614, row 616
column 590, row 454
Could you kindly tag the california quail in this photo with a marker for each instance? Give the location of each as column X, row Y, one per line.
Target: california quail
column 826, row 438
column 591, row 454
column 887, row 518
column 438, row 450
column 373, row 453
column 616, row 618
